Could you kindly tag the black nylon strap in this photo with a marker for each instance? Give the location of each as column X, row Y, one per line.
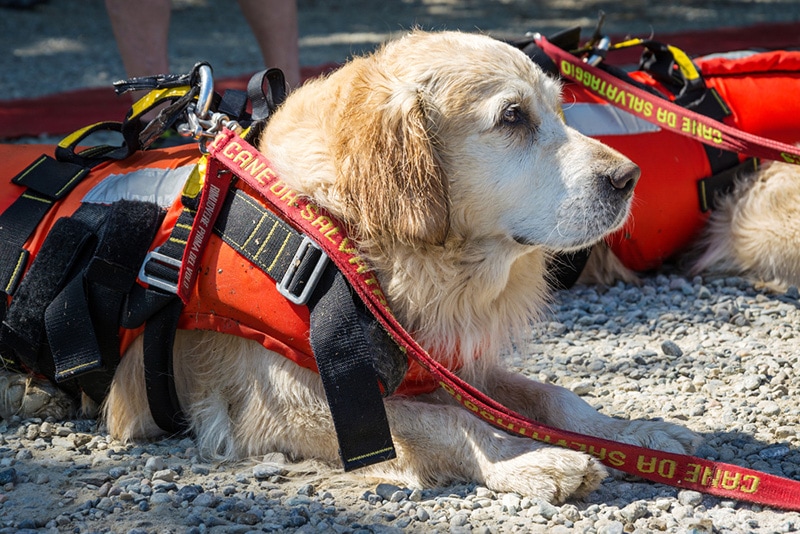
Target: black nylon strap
column 161, row 325
column 711, row 189
column 71, row 333
column 162, row 310
column 257, row 234
column 162, row 397
column 266, row 90
column 23, row 328
column 47, row 181
column 344, row 359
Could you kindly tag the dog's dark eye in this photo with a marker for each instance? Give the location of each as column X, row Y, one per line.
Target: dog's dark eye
column 512, row 114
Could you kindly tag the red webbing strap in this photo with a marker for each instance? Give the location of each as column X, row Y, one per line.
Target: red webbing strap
column 664, row 113
column 723, row 480
column 212, row 196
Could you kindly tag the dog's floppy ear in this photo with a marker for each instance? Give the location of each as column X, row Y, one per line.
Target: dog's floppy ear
column 388, row 165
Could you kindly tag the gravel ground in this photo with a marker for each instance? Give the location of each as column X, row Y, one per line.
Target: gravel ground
column 718, row 355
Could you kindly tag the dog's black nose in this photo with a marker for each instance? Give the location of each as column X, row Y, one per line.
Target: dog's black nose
column 625, row 177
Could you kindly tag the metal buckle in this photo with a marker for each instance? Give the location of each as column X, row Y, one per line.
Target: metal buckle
column 163, row 259
column 305, row 294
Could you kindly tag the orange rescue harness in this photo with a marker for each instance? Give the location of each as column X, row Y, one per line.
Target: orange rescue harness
column 222, row 300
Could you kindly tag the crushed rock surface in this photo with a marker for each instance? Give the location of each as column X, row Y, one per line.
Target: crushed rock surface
column 717, row 355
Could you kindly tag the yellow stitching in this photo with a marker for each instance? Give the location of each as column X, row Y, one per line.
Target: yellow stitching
column 179, row 241
column 34, row 197
column 25, row 173
column 380, row 451
column 266, row 240
column 280, row 251
column 77, row 176
column 77, row 367
column 255, row 229
column 704, row 200
column 15, row 272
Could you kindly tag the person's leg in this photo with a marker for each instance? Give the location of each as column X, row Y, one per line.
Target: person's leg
column 141, row 29
column 274, row 25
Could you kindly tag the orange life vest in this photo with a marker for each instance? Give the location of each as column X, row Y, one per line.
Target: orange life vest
column 231, row 295
column 758, row 88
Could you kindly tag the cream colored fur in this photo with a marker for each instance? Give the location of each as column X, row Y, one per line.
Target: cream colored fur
column 446, row 155
column 756, row 230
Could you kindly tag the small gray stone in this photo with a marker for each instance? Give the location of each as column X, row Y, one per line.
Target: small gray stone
column 581, row 387
column 206, row 500
column 386, row 491
column 307, row 490
column 459, row 520
column 545, row 509
column 155, row 463
column 612, row 527
column 511, row 502
column 750, row 382
column 422, row 514
column 670, row 348
column 632, row 512
column 268, row 470
column 690, row 498
column 774, row 451
column 166, row 475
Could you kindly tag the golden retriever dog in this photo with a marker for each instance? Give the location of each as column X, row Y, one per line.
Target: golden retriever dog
column 447, row 155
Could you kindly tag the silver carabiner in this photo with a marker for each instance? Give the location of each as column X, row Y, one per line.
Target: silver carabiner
column 206, row 93
column 200, row 124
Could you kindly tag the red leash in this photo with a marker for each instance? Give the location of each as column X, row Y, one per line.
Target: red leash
column 664, row 113
column 230, row 152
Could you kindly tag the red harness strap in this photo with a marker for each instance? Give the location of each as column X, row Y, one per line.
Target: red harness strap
column 724, row 480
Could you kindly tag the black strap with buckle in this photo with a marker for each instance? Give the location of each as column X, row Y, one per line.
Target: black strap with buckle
column 358, row 362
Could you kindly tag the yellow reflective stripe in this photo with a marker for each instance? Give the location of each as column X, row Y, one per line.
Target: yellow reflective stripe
column 627, row 44
column 687, row 67
column 155, row 97
column 77, row 135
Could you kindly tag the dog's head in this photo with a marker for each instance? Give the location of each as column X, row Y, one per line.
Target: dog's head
column 454, row 134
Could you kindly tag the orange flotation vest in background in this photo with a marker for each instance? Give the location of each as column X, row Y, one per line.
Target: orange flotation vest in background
column 668, row 209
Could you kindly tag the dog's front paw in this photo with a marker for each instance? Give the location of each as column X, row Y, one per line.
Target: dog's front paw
column 27, row 396
column 547, row 473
